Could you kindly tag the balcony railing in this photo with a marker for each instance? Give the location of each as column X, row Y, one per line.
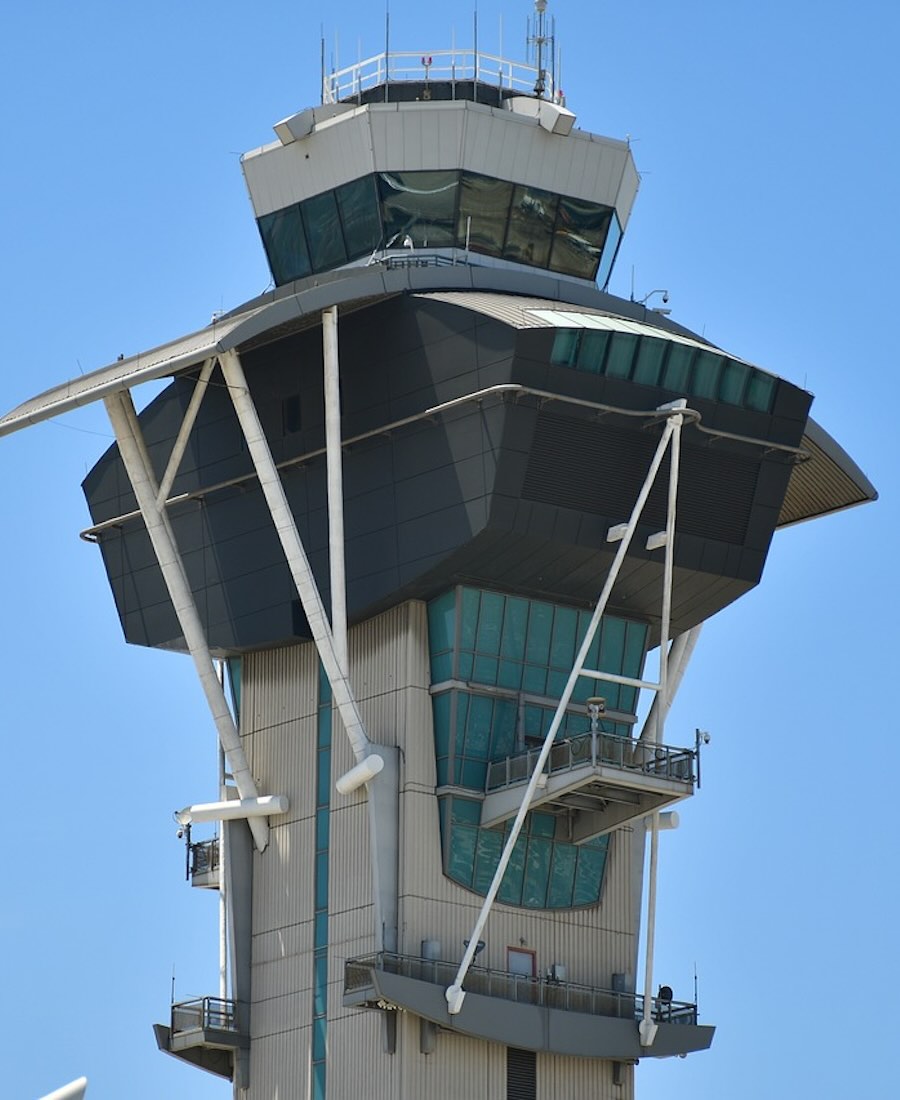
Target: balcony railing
column 597, row 749
column 569, row 996
column 204, row 1014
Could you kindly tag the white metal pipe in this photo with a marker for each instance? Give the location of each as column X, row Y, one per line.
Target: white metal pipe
column 184, row 432
column 359, row 774
column 305, row 582
column 648, row 1028
column 234, row 809
column 615, row 678
column 333, row 460
column 454, row 994
column 136, row 461
column 73, row 1091
column 680, row 653
column 223, row 879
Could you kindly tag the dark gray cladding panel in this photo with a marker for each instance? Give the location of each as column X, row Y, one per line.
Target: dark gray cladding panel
column 513, row 493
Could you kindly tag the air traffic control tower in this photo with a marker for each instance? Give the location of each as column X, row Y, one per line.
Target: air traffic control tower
column 431, row 502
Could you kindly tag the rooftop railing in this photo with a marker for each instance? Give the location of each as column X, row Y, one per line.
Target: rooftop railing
column 549, row 993
column 439, row 65
column 607, row 749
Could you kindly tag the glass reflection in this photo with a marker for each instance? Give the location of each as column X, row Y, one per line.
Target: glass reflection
column 285, row 244
column 486, row 202
column 530, row 230
column 358, row 206
column 419, row 208
column 581, row 229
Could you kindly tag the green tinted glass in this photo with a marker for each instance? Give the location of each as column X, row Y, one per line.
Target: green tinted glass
column 285, row 244
column 483, row 213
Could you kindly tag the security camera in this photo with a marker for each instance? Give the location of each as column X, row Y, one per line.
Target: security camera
column 665, row 297
column 180, row 833
column 704, row 737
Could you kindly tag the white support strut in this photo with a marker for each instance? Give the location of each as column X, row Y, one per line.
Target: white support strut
column 137, row 465
column 648, row 1027
column 455, row 994
column 273, row 491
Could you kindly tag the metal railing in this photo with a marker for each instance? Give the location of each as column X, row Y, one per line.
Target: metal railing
column 204, row 1013
column 446, row 66
column 569, row 996
column 598, row 748
column 204, row 857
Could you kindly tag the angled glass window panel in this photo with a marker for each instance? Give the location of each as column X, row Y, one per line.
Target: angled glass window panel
column 511, row 887
column 358, row 206
column 733, row 382
column 485, row 669
column 540, row 628
column 465, row 811
column 419, row 208
column 581, row 229
column 478, row 727
column 471, row 602
column 503, row 728
column 515, row 625
column 487, row 856
column 323, row 231
column 320, row 926
column 509, row 674
column 612, row 643
column 441, row 710
column 707, row 367
column 531, row 219
column 442, row 635
column 760, row 392
column 471, row 774
column 490, row 623
column 486, row 202
column 556, row 682
column 461, row 857
column 537, row 872
column 649, row 363
column 588, row 875
column 285, row 244
column 562, row 876
column 613, row 237
column 562, row 640
column 541, row 825
column 634, row 649
column 592, row 351
column 461, row 705
column 677, row 369
column 233, row 664
column 621, row 355
column 565, row 347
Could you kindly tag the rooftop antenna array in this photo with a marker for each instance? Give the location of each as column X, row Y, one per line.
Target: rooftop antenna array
column 542, row 41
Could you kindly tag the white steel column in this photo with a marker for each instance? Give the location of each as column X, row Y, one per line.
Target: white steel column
column 333, row 461
column 305, row 582
column 455, row 994
column 140, row 473
column 680, row 654
column 648, row 1027
column 184, row 432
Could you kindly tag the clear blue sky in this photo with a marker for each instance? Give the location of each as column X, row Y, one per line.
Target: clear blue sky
column 766, row 137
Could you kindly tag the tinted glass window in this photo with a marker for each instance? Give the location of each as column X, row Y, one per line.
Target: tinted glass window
column 486, row 202
column 358, row 205
column 609, row 251
column 419, row 208
column 531, row 221
column 285, row 244
column 760, row 392
column 323, row 230
column 581, row 229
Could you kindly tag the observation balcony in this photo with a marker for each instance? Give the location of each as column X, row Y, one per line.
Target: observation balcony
column 207, row 1032
column 538, row 1014
column 603, row 781
column 203, row 867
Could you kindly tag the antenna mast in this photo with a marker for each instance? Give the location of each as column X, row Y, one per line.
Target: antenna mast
column 542, row 42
